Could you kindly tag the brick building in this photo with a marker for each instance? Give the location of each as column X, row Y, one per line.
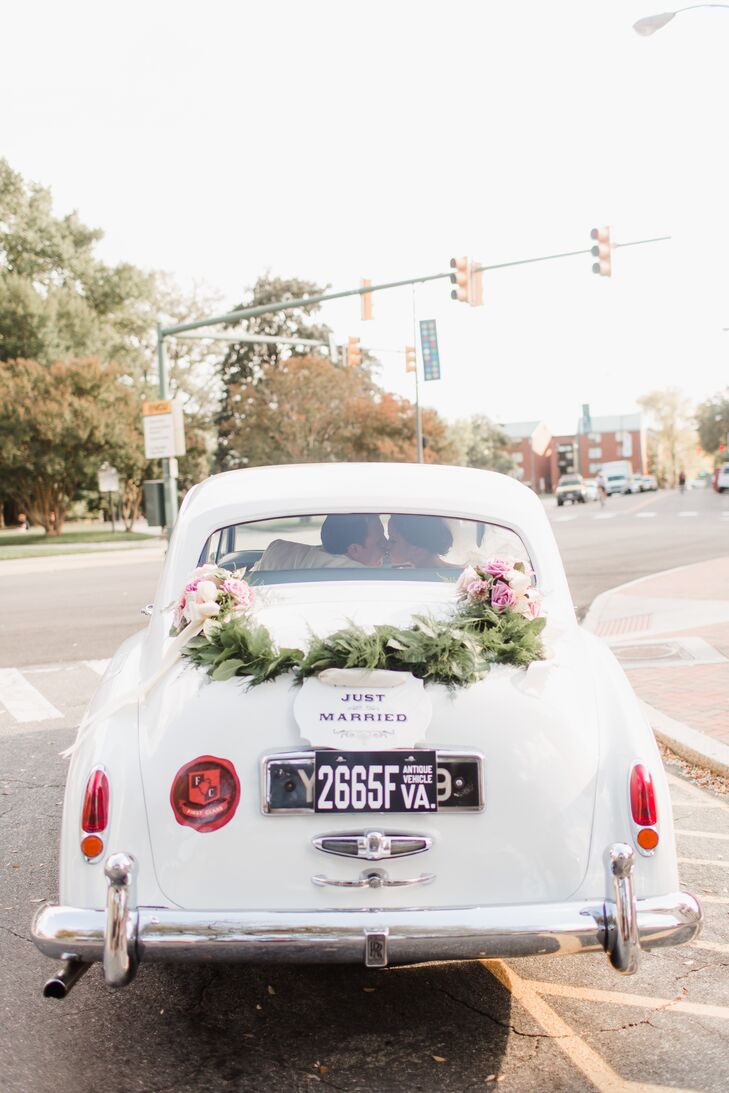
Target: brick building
column 540, row 457
column 529, row 447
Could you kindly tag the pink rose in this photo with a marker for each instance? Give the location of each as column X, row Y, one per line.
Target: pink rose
column 479, row 590
column 502, row 596
column 466, row 578
column 178, row 618
column 499, row 567
column 239, row 590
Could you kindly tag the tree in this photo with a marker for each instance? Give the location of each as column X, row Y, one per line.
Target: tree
column 57, row 300
column 675, row 432
column 481, row 443
column 712, row 418
column 307, row 410
column 245, row 364
column 58, row 424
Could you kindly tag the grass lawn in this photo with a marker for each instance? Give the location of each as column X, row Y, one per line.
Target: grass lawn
column 36, row 544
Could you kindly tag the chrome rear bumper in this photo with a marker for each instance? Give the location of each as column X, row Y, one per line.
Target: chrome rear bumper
column 410, row 936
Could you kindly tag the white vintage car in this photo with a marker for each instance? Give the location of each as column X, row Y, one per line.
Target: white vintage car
column 363, row 816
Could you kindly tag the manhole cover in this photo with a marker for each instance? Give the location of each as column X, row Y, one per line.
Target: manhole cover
column 662, row 651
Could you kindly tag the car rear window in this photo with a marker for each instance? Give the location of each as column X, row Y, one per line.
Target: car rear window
column 355, row 546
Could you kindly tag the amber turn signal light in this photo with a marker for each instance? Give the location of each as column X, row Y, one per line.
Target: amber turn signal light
column 92, row 846
column 647, row 838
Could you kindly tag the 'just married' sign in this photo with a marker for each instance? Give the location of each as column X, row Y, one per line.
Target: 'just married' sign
column 358, row 709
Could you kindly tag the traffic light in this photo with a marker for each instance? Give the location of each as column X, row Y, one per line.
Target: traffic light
column 365, row 301
column 354, row 353
column 603, row 251
column 468, row 280
column 461, row 279
column 410, row 359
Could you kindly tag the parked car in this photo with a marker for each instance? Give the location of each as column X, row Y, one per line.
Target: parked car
column 616, row 483
column 367, row 816
column 591, row 489
column 648, row 482
column 722, row 478
column 571, row 487
column 633, row 483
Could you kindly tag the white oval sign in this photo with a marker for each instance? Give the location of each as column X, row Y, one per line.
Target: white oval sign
column 363, row 710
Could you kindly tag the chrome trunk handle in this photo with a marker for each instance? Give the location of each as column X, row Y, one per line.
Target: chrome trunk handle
column 372, row 878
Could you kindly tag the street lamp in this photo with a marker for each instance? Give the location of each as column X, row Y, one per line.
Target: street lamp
column 651, row 23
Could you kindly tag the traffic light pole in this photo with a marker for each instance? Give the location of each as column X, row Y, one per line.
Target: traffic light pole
column 418, row 411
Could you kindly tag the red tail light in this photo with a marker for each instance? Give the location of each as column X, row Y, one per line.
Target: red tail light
column 96, row 802
column 642, row 797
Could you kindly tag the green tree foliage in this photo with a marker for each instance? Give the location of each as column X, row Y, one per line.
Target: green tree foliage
column 57, row 300
column 675, row 439
column 245, row 365
column 308, row 410
column 480, row 443
column 712, row 418
column 58, row 424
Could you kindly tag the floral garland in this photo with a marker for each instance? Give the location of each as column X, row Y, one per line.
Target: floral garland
column 497, row 621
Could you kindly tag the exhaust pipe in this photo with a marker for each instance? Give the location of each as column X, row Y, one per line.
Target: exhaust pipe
column 65, row 978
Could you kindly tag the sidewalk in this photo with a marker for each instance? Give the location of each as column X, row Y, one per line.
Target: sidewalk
column 670, row 632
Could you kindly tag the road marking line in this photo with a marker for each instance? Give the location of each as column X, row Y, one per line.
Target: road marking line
column 621, row 998
column 645, row 515
column 688, row 514
column 22, row 700
column 702, row 834
column 564, row 519
column 98, row 666
column 702, row 861
column 699, row 795
column 710, row 946
column 605, row 516
column 714, row 899
column 580, row 1054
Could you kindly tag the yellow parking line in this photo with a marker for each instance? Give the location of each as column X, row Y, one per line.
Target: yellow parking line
column 703, row 834
column 580, row 1054
column 621, row 998
column 703, row 861
column 694, row 793
column 713, row 899
column 710, row 946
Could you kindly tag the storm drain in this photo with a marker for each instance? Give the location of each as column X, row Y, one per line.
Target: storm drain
column 671, row 653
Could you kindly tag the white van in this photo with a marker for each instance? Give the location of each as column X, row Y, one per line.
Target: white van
column 722, row 482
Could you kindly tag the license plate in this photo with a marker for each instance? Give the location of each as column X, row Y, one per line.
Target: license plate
column 375, row 781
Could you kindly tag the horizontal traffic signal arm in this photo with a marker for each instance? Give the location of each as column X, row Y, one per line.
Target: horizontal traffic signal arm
column 284, row 305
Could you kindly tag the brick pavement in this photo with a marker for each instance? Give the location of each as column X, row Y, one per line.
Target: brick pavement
column 660, row 610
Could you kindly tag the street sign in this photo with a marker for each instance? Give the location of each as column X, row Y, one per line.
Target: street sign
column 108, row 479
column 164, row 430
column 586, row 418
column 429, row 348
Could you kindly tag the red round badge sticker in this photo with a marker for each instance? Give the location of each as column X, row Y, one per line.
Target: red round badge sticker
column 205, row 793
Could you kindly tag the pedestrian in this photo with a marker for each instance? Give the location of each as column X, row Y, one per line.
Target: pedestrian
column 23, row 521
column 601, row 488
column 682, row 481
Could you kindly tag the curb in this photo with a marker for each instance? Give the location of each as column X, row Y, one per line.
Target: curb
column 690, row 744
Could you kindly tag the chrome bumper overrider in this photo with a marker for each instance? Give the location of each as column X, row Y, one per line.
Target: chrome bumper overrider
column 124, row 934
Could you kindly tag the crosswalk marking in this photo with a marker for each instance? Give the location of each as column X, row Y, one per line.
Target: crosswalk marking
column 98, row 666
column 23, row 701
column 605, row 516
column 645, row 515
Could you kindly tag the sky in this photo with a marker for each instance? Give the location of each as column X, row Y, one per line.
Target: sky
column 333, row 141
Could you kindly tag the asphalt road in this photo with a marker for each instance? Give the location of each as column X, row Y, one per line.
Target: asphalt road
column 567, row 1024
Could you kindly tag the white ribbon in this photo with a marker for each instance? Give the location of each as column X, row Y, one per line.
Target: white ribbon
column 171, row 656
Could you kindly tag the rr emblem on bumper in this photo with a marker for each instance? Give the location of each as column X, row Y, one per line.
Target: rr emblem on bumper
column 376, row 948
